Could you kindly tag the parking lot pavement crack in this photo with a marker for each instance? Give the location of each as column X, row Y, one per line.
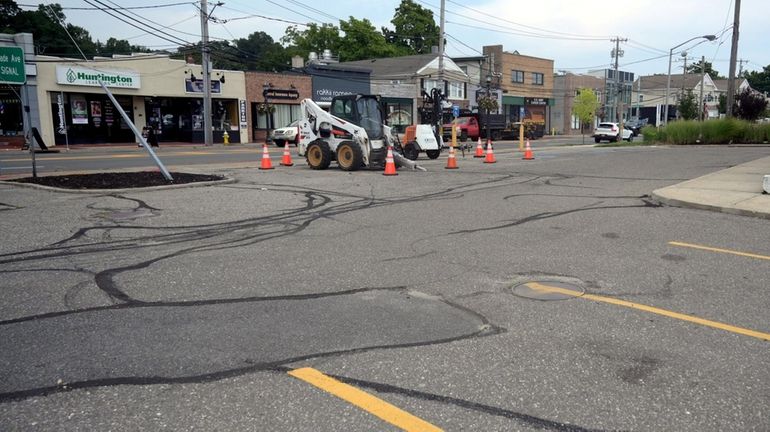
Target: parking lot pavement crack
column 99, row 346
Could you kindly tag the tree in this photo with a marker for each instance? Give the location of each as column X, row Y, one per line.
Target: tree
column 584, row 107
column 750, row 105
column 363, row 41
column 262, row 53
column 759, row 81
column 695, row 68
column 414, row 28
column 314, row 38
column 688, row 108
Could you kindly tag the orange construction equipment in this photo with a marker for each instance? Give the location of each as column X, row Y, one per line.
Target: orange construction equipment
column 490, row 154
column 266, row 163
column 451, row 162
column 286, row 160
column 390, row 165
column 479, row 150
column 528, row 152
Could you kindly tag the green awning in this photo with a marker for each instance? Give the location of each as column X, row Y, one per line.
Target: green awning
column 513, row 100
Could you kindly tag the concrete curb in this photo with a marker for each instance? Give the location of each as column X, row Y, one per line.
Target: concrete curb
column 659, row 196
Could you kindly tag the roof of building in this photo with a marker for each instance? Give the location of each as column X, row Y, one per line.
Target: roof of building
column 405, row 66
column 653, row 82
column 722, row 84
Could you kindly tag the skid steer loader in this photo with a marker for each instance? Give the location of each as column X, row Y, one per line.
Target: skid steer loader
column 352, row 132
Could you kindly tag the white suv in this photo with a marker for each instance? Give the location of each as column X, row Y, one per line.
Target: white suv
column 609, row 132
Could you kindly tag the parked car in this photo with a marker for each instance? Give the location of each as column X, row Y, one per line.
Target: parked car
column 609, row 132
column 636, row 125
column 286, row 134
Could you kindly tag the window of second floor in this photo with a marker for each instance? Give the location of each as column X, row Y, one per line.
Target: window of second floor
column 517, row 76
column 456, row 90
column 537, row 78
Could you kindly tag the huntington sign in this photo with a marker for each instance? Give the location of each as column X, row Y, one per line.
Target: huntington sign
column 12, row 66
column 79, row 76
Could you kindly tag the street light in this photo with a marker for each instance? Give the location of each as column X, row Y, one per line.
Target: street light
column 668, row 80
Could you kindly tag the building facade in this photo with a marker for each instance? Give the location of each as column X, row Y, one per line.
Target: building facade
column 526, row 84
column 153, row 90
column 273, row 101
column 650, row 96
column 565, row 88
column 615, row 90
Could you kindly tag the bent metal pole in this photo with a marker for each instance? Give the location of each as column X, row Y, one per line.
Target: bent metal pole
column 130, row 124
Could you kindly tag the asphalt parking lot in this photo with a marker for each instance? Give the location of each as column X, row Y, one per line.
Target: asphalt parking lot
column 551, row 294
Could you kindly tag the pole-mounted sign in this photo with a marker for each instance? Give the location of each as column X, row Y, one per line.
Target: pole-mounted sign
column 12, row 66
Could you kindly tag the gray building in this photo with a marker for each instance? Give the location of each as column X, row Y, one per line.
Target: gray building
column 614, row 88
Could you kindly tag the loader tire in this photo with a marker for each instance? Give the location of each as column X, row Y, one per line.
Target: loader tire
column 432, row 154
column 411, row 151
column 349, row 156
column 318, row 155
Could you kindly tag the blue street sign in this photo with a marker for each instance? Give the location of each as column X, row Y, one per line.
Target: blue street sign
column 521, row 113
column 456, row 111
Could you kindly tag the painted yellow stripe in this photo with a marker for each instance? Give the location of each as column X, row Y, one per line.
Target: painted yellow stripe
column 363, row 400
column 712, row 249
column 651, row 309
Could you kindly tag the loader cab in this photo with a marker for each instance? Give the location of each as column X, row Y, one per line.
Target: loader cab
column 361, row 110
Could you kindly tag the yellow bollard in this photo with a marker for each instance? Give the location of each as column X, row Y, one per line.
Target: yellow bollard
column 226, row 137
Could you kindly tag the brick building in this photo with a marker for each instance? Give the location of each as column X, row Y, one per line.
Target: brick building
column 565, row 89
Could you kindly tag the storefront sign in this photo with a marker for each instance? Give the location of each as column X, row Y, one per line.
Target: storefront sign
column 12, row 66
column 242, row 113
column 80, row 76
column 273, row 93
column 79, row 113
column 325, row 88
column 96, row 113
column 535, row 101
column 62, row 123
column 196, row 86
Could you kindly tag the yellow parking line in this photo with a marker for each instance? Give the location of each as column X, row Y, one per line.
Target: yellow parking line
column 651, row 309
column 712, row 249
column 363, row 400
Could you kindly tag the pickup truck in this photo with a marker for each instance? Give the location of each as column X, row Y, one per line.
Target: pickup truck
column 609, row 132
column 474, row 126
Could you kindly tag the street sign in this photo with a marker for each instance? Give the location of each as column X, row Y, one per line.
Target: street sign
column 12, row 66
column 521, row 113
column 456, row 111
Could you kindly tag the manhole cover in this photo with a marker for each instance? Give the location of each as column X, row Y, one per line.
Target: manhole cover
column 548, row 290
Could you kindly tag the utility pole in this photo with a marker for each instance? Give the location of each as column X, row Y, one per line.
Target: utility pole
column 733, row 56
column 740, row 66
column 208, row 138
column 617, row 53
column 441, row 47
column 702, row 78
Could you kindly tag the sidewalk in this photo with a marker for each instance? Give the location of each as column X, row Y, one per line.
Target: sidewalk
column 736, row 190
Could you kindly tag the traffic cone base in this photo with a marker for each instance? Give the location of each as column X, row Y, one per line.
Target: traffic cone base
column 451, row 162
column 479, row 150
column 490, row 158
column 286, row 161
column 390, row 165
column 266, row 164
column 528, row 152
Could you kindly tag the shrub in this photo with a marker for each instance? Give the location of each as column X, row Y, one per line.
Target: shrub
column 717, row 131
column 650, row 134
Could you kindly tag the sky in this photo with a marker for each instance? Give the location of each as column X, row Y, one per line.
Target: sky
column 575, row 34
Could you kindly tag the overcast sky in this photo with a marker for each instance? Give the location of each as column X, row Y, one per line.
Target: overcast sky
column 575, row 34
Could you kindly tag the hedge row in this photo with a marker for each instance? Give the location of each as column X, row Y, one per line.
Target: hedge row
column 718, row 131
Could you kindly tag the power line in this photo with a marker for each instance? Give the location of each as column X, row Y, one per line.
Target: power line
column 116, row 8
column 106, row 9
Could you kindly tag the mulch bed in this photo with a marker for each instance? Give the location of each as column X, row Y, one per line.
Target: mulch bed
column 120, row 180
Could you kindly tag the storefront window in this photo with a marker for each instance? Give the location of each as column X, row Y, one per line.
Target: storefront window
column 11, row 121
column 282, row 115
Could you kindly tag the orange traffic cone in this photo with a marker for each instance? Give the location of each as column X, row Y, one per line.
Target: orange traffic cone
column 390, row 166
column 490, row 154
column 266, row 163
column 286, row 161
column 479, row 150
column 451, row 162
column 528, row 152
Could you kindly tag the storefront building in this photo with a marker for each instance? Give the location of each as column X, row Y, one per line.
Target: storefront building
column 153, row 90
column 18, row 77
column 527, row 86
column 274, row 100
